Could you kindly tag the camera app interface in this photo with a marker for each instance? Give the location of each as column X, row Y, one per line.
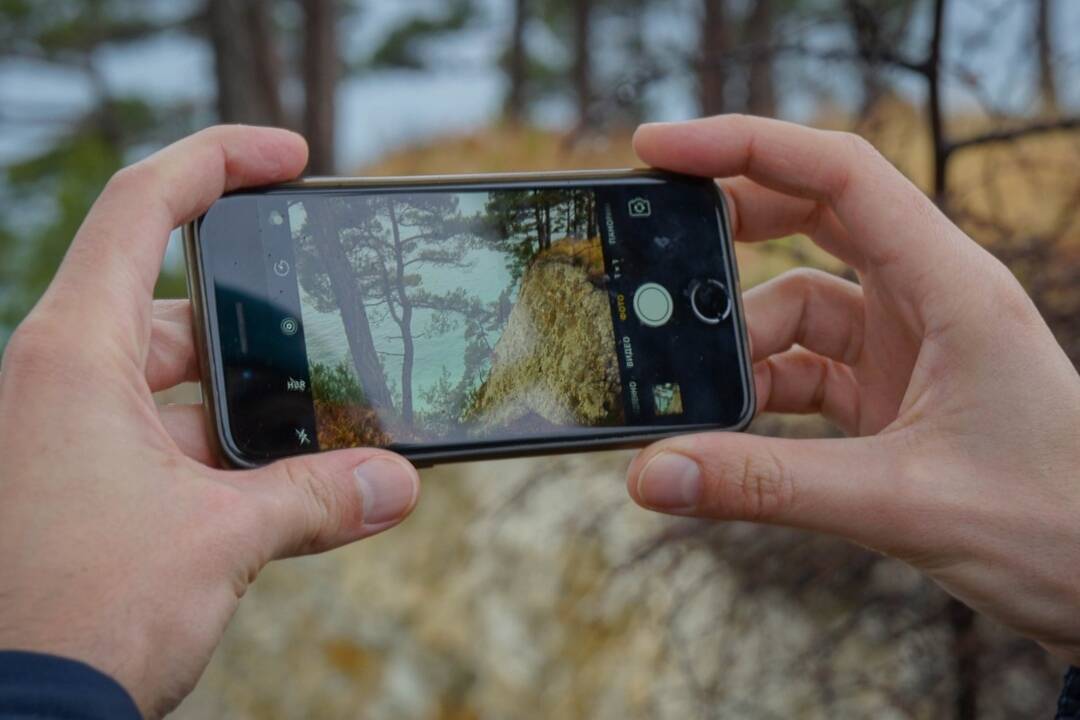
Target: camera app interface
column 442, row 318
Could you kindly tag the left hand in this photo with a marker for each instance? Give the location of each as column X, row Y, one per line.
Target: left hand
column 119, row 545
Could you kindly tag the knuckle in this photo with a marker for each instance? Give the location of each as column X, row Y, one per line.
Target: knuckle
column 25, row 346
column 320, row 500
column 765, row 485
column 757, row 487
column 237, row 520
column 740, row 121
column 803, row 279
column 860, row 149
column 1011, row 299
column 32, row 348
column 43, row 354
column 1002, row 296
column 131, row 180
column 215, row 132
column 225, row 500
column 836, row 173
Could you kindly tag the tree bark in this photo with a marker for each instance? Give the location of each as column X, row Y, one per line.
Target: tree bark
column 761, row 91
column 320, row 74
column 1048, row 94
column 246, row 62
column 582, row 72
column 875, row 40
column 517, row 64
column 712, row 57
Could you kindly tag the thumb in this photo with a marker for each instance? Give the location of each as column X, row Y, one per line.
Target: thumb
column 842, row 487
column 317, row 502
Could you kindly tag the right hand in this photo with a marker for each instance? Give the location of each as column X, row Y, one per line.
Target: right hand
column 965, row 412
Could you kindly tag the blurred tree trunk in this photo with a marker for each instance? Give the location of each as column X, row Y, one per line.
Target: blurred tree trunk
column 1048, row 94
column 320, row 68
column 582, row 72
column 866, row 31
column 713, row 56
column 761, row 92
column 876, row 27
column 246, row 62
column 517, row 64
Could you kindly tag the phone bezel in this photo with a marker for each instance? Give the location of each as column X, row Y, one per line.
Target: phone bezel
column 212, row 367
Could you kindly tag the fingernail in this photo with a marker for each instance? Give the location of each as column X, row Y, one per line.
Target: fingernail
column 670, row 482
column 388, row 488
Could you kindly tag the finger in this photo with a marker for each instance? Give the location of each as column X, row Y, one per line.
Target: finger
column 171, row 357
column 107, row 278
column 799, row 381
column 843, row 487
column 759, row 213
column 187, row 426
column 887, row 217
column 819, row 311
column 321, row 501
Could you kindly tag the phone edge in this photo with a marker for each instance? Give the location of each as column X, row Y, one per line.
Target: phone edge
column 202, row 337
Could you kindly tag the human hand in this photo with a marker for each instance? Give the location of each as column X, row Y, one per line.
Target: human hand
column 119, row 545
column 963, row 408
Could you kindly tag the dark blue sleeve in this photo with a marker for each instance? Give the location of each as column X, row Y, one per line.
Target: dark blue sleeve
column 1069, row 703
column 45, row 687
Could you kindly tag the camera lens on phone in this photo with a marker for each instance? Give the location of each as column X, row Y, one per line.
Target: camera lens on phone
column 710, row 301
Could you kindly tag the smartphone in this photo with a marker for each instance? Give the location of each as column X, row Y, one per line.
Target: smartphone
column 468, row 317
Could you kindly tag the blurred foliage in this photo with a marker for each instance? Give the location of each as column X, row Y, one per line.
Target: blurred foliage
column 403, row 47
column 69, row 29
column 50, row 191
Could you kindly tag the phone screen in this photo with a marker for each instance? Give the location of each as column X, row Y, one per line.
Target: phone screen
column 452, row 318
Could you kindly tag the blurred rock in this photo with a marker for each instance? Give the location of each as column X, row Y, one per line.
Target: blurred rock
column 535, row 589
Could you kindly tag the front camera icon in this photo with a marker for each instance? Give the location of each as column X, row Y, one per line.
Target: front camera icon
column 289, row 326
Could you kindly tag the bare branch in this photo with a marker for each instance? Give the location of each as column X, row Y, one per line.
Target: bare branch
column 1007, row 135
